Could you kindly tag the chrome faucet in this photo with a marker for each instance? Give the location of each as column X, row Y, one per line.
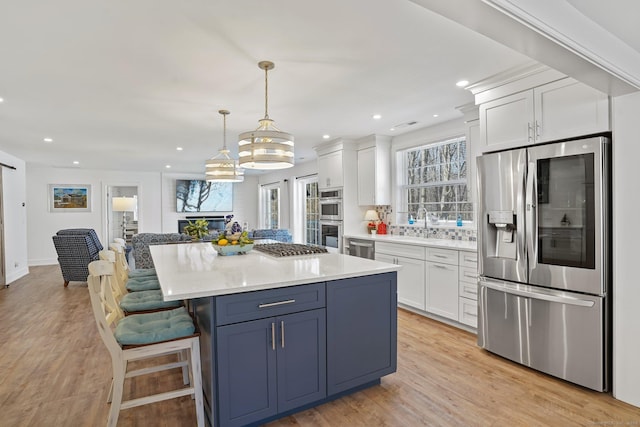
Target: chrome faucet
column 426, row 215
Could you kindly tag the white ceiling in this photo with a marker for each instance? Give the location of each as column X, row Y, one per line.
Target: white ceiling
column 119, row 85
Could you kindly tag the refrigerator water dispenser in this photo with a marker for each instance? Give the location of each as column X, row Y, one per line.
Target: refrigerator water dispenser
column 504, row 227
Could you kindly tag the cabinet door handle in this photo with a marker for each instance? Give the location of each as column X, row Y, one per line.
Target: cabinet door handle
column 470, row 276
column 443, row 267
column 467, row 259
column 529, row 131
column 440, row 256
column 273, row 304
column 282, row 333
column 470, row 314
column 537, row 130
column 273, row 336
column 468, row 290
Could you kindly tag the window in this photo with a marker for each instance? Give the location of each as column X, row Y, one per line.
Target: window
column 435, row 178
column 270, row 203
column 312, row 213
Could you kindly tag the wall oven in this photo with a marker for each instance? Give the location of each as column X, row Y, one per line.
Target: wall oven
column 331, row 235
column 331, row 205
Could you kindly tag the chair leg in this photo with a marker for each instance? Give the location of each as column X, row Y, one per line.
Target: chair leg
column 196, row 378
column 66, row 283
column 184, row 355
column 117, row 391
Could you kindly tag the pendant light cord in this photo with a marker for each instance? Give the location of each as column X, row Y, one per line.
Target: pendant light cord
column 224, row 131
column 266, row 93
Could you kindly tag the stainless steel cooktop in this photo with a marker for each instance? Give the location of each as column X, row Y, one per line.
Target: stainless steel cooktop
column 289, row 249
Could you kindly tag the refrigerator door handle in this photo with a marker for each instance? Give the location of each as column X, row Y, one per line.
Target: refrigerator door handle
column 531, row 215
column 547, row 296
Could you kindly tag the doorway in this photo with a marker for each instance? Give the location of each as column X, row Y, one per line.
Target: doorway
column 3, row 274
column 122, row 211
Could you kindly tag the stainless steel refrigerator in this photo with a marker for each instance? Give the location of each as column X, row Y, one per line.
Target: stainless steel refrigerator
column 544, row 246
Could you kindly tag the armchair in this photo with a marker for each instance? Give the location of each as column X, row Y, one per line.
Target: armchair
column 76, row 248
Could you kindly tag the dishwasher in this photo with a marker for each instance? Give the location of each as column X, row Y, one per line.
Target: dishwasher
column 362, row 248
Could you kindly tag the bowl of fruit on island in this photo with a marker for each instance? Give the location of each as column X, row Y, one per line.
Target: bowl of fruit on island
column 232, row 243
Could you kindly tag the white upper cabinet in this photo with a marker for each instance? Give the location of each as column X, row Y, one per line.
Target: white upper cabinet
column 330, row 170
column 374, row 172
column 568, row 108
column 563, row 108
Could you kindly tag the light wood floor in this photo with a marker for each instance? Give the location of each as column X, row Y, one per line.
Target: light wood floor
column 54, row 371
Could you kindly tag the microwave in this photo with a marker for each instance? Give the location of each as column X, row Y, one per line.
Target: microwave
column 331, row 209
column 331, row 194
column 331, row 204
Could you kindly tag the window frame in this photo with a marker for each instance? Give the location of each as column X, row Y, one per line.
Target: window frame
column 265, row 206
column 402, row 164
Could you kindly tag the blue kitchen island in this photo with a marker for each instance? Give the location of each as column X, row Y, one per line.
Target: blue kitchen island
column 279, row 335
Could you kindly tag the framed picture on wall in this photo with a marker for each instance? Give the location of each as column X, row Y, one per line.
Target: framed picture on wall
column 69, row 198
column 194, row 195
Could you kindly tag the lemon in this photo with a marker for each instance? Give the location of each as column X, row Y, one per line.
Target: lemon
column 223, row 242
column 234, row 242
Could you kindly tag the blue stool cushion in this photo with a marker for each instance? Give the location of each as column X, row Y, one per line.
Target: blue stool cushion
column 145, row 285
column 154, row 327
column 146, row 300
column 142, row 272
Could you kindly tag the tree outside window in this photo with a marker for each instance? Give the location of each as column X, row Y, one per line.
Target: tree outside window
column 435, row 178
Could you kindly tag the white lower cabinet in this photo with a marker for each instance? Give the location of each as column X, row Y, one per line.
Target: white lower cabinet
column 411, row 277
column 442, row 283
column 468, row 289
column 435, row 280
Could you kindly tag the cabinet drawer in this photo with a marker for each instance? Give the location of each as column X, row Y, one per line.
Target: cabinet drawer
column 468, row 259
column 445, row 256
column 468, row 290
column 468, row 312
column 469, row 275
column 401, row 250
column 273, row 302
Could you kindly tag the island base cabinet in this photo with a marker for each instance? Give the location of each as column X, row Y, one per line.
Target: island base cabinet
column 361, row 330
column 269, row 366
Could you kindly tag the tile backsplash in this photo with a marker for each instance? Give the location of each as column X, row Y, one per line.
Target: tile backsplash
column 433, row 232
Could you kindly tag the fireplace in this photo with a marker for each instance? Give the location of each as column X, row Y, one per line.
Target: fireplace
column 216, row 223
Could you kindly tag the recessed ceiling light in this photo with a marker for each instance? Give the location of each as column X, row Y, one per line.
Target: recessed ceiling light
column 178, row 148
column 462, row 83
column 435, row 115
column 1, row 99
column 377, row 117
column 326, row 136
column 168, row 166
column 48, row 140
column 75, row 162
column 392, row 129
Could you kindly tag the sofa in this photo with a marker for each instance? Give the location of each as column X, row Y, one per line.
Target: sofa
column 140, row 245
column 279, row 234
column 76, row 248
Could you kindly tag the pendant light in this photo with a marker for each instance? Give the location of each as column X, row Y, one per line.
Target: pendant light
column 266, row 147
column 222, row 168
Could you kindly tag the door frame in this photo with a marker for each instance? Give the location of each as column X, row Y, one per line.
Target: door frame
column 107, row 214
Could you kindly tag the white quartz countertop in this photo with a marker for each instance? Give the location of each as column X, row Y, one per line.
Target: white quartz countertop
column 461, row 245
column 195, row 270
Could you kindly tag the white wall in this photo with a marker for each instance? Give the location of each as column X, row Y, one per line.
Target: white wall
column 156, row 208
column 245, row 201
column 43, row 224
column 14, row 194
column 626, row 235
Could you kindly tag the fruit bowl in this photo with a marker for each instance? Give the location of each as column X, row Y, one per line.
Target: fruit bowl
column 233, row 249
